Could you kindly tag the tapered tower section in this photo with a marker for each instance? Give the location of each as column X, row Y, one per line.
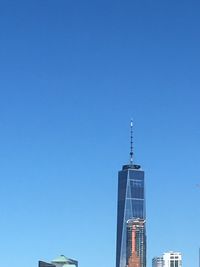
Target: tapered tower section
column 130, row 206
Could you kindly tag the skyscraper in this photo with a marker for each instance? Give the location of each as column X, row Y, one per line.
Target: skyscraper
column 131, row 206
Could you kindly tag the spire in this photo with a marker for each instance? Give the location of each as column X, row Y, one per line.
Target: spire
column 131, row 147
column 131, row 165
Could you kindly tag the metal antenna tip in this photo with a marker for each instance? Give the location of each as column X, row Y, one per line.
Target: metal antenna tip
column 131, row 143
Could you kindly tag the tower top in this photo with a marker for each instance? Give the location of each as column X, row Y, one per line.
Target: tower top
column 131, row 165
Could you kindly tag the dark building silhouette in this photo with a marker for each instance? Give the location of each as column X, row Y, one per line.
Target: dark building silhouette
column 45, row 264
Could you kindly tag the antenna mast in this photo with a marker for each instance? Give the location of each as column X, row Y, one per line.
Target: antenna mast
column 131, row 148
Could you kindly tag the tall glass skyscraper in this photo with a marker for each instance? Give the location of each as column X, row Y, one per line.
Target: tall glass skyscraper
column 131, row 206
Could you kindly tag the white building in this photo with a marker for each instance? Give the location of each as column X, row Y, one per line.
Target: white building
column 168, row 259
column 172, row 259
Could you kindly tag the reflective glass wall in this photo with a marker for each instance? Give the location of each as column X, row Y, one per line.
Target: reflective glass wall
column 131, row 205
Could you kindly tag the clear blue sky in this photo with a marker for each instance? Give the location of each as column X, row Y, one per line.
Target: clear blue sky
column 72, row 75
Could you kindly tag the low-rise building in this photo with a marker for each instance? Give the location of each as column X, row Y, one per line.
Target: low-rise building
column 61, row 261
column 168, row 259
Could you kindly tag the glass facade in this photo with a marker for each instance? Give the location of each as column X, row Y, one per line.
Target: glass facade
column 131, row 205
column 136, row 243
column 157, row 262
